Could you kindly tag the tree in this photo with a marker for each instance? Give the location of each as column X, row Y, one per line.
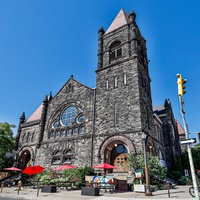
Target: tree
column 195, row 155
column 136, row 161
column 176, row 169
column 7, row 142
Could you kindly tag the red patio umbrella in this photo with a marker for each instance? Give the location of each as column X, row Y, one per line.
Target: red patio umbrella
column 12, row 169
column 64, row 167
column 33, row 170
column 104, row 166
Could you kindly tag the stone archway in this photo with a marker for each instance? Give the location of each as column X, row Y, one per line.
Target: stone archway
column 114, row 150
column 25, row 158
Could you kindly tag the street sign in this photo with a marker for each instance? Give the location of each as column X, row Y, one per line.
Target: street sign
column 188, row 141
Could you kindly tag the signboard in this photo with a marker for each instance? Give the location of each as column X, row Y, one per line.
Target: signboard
column 188, row 141
column 186, row 172
column 139, row 188
column 138, row 173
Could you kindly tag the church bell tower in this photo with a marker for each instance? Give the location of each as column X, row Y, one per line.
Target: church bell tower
column 123, row 95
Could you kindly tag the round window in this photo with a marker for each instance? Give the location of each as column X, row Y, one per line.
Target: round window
column 68, row 116
column 80, row 119
column 121, row 149
column 55, row 124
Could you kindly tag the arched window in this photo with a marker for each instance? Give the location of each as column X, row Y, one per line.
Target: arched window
column 55, row 124
column 27, row 137
column 56, row 159
column 68, row 122
column 120, row 149
column 125, row 78
column 115, row 50
column 24, row 137
column 67, row 158
column 32, row 138
column 52, row 134
column 115, row 82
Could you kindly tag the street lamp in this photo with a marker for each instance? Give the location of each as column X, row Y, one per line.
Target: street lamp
column 147, row 191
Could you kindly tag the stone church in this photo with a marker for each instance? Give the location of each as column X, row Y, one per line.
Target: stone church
column 86, row 126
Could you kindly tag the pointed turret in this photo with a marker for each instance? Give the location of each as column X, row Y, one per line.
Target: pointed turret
column 43, row 120
column 50, row 96
column 21, row 120
column 100, row 47
column 120, row 20
column 132, row 17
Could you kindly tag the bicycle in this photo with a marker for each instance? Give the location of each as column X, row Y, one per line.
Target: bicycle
column 113, row 189
column 191, row 191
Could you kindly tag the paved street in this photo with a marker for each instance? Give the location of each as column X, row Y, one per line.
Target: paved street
column 180, row 192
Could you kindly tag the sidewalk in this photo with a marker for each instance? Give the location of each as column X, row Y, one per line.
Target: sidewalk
column 180, row 192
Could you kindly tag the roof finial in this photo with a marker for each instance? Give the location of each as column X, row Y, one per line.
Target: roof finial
column 72, row 76
column 50, row 96
column 101, row 30
column 132, row 16
column 22, row 116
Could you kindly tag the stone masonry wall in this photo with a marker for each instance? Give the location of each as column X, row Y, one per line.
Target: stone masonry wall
column 80, row 145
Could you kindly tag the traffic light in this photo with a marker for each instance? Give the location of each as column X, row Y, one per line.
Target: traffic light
column 181, row 86
column 199, row 136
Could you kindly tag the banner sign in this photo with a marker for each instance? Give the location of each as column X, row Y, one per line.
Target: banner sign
column 138, row 173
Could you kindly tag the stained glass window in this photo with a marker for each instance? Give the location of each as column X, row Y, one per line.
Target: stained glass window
column 68, row 116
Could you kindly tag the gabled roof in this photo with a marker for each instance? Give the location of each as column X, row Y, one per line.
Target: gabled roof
column 159, row 110
column 71, row 79
column 36, row 115
column 157, row 118
column 180, row 128
column 120, row 20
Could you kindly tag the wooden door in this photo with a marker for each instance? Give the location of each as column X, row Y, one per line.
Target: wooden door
column 121, row 162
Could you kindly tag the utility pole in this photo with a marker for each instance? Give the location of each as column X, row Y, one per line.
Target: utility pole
column 148, row 190
column 181, row 91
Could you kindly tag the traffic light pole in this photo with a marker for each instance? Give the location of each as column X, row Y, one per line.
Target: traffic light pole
column 194, row 181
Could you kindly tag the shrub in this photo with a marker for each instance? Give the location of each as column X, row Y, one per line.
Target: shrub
column 156, row 171
column 185, row 180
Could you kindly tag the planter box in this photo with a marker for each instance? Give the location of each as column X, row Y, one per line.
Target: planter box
column 49, row 188
column 139, row 188
column 90, row 191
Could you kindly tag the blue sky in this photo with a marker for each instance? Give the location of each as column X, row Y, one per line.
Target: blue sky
column 43, row 42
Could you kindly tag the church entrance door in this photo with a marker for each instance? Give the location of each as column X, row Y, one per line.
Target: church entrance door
column 121, row 162
column 119, row 158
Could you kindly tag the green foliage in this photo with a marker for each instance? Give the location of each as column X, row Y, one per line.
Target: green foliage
column 185, row 180
column 176, row 170
column 79, row 173
column 44, row 176
column 51, row 176
column 136, row 161
column 176, row 174
column 195, row 155
column 7, row 142
column 154, row 166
